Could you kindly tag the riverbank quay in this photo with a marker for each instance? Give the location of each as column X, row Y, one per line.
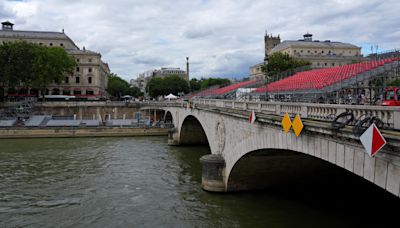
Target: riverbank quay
column 75, row 132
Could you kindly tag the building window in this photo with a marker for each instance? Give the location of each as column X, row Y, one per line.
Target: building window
column 90, row 80
column 326, row 64
column 90, row 60
column 66, row 92
column 301, row 51
column 77, row 69
column 318, row 64
column 322, row 52
column 315, row 51
column 77, row 92
column 55, row 91
column 66, row 79
column 90, row 69
column 77, row 60
column 89, row 92
column 294, row 50
column 308, row 51
column 51, row 44
column 61, row 44
column 40, row 43
column 77, row 79
column 333, row 64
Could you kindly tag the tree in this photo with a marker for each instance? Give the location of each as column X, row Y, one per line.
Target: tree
column 50, row 66
column 280, row 62
column 29, row 64
column 16, row 63
column 169, row 84
column 194, row 84
column 221, row 82
column 118, row 87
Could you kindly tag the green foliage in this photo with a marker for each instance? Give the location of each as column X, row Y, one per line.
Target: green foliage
column 394, row 83
column 214, row 81
column 118, row 87
column 170, row 84
column 16, row 62
column 279, row 62
column 207, row 82
column 29, row 64
column 194, row 84
column 51, row 65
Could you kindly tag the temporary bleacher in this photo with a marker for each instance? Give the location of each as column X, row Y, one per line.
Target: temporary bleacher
column 8, row 122
column 63, row 123
column 90, row 123
column 215, row 91
column 37, row 120
column 320, row 79
column 120, row 123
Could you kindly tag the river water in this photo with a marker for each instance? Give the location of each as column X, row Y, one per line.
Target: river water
column 142, row 182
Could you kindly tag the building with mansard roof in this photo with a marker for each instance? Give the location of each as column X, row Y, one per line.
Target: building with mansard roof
column 90, row 77
column 320, row 53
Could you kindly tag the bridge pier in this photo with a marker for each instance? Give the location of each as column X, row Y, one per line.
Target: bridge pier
column 173, row 137
column 212, row 178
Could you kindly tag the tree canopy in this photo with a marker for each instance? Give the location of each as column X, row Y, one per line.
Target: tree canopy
column 118, row 87
column 29, row 64
column 174, row 84
column 203, row 83
column 280, row 62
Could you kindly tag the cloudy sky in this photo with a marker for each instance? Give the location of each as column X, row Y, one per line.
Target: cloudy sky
column 221, row 37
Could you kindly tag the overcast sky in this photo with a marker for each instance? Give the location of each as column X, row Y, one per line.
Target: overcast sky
column 221, row 37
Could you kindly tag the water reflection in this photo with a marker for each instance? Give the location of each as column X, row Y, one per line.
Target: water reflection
column 142, row 182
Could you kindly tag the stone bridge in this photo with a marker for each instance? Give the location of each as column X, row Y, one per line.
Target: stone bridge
column 245, row 156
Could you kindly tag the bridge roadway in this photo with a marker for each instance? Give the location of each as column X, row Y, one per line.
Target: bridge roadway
column 245, row 156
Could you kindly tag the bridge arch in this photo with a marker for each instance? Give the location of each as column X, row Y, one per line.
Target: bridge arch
column 168, row 118
column 192, row 132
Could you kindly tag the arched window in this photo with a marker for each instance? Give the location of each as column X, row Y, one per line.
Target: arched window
column 55, row 91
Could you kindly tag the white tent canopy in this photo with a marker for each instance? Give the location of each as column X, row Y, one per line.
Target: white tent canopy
column 171, row 96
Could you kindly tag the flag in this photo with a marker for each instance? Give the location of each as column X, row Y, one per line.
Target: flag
column 252, row 117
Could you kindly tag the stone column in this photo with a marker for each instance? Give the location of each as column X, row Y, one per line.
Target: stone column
column 173, row 137
column 212, row 178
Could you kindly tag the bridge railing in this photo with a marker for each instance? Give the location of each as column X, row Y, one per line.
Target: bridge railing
column 389, row 115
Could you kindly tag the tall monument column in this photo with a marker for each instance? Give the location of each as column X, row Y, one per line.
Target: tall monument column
column 187, row 68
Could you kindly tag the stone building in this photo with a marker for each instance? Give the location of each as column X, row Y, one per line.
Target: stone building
column 91, row 74
column 256, row 72
column 321, row 54
column 143, row 78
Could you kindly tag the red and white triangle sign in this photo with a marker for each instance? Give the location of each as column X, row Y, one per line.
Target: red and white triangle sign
column 372, row 140
column 252, row 117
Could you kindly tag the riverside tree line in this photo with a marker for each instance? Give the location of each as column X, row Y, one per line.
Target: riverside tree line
column 31, row 65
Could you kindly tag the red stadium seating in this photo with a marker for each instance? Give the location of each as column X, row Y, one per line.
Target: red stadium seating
column 223, row 90
column 320, row 78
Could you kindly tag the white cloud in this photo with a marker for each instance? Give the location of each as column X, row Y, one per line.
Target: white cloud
column 221, row 37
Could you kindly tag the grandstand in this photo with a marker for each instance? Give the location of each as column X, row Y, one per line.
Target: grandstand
column 227, row 91
column 314, row 84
